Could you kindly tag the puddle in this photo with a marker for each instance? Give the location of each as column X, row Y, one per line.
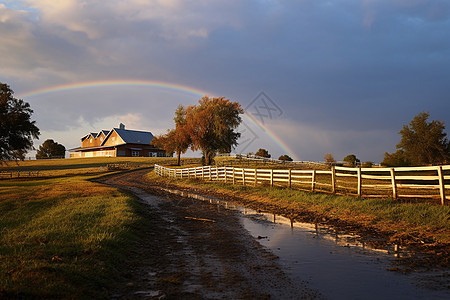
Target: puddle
column 338, row 264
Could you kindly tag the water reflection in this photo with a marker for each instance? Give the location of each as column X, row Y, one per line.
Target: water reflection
column 318, row 230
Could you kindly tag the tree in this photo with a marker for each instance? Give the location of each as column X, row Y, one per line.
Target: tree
column 211, row 125
column 176, row 140
column 423, row 142
column 263, row 153
column 16, row 129
column 396, row 159
column 51, row 149
column 351, row 159
column 285, row 157
column 329, row 159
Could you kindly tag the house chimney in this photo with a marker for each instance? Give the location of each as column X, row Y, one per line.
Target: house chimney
column 121, row 126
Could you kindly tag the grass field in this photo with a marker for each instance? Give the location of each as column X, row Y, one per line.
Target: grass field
column 65, row 236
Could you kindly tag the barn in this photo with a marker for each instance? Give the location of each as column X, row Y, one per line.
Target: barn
column 117, row 142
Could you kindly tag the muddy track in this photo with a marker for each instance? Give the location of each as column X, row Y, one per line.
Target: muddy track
column 194, row 250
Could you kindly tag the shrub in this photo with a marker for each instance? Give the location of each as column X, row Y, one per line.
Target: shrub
column 285, row 158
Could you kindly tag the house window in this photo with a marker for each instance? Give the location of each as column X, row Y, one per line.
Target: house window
column 90, row 140
column 113, row 138
column 101, row 139
column 135, row 153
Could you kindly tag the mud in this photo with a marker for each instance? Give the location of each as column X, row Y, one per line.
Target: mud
column 193, row 250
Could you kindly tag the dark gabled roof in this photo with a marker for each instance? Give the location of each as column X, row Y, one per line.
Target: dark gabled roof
column 132, row 136
column 93, row 134
column 105, row 132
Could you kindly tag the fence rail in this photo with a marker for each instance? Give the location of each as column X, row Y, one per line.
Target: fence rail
column 18, row 174
column 400, row 182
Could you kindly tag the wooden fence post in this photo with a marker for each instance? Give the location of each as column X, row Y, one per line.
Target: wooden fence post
column 394, row 184
column 333, row 179
column 234, row 180
column 226, row 174
column 359, row 182
column 271, row 177
column 256, row 176
column 441, row 184
column 290, row 178
column 243, row 176
column 203, row 173
column 210, row 178
column 313, row 180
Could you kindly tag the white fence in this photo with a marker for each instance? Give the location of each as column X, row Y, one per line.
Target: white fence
column 400, row 182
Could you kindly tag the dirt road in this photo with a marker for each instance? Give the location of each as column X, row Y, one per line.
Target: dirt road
column 195, row 250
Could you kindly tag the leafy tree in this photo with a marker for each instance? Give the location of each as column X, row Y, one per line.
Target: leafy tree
column 51, row 149
column 162, row 141
column 351, row 159
column 16, row 129
column 263, row 153
column 211, row 125
column 329, row 159
column 424, row 142
column 396, row 159
column 176, row 140
column 285, row 157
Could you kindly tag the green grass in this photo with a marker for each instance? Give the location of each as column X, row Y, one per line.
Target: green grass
column 63, row 237
column 423, row 220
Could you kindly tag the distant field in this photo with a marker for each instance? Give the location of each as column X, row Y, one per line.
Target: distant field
column 75, row 166
column 80, row 163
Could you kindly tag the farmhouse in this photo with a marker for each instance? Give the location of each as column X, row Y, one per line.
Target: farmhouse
column 117, row 142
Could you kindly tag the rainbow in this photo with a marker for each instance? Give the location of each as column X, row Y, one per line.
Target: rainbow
column 272, row 135
column 107, row 83
column 147, row 83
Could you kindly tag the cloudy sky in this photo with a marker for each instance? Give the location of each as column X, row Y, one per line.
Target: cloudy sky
column 315, row 76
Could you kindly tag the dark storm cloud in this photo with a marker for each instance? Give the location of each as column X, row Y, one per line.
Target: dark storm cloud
column 338, row 68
